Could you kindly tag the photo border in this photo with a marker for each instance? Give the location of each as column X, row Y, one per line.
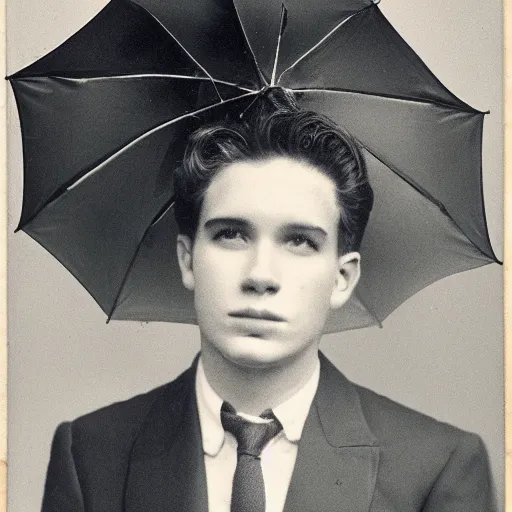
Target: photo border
column 507, row 250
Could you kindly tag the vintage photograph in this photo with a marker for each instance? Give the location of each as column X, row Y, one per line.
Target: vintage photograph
column 255, row 256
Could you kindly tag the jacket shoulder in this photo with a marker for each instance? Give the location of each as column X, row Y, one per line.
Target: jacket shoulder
column 118, row 416
column 391, row 421
column 118, row 424
column 90, row 456
column 446, row 466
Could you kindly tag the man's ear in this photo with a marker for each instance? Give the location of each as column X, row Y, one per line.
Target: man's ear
column 184, row 249
column 349, row 270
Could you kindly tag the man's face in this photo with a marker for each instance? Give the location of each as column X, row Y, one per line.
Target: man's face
column 264, row 265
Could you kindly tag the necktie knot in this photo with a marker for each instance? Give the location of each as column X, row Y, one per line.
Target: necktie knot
column 251, row 437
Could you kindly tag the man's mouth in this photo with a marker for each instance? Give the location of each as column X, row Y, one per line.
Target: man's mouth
column 258, row 314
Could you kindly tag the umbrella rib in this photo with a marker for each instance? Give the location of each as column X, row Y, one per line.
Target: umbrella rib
column 374, row 6
column 315, row 46
column 166, row 207
column 182, row 47
column 249, row 45
column 282, row 25
column 153, row 130
column 482, row 202
column 429, row 197
column 76, row 181
column 141, row 75
column 468, row 110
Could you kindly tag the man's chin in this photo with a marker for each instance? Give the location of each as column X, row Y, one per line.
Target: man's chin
column 254, row 352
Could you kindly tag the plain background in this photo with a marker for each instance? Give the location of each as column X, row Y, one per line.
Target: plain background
column 441, row 352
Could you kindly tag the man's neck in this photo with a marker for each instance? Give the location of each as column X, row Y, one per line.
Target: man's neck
column 253, row 389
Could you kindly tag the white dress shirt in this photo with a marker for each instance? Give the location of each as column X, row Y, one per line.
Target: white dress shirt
column 277, row 458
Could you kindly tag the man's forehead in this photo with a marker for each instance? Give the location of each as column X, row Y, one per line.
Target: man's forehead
column 274, row 187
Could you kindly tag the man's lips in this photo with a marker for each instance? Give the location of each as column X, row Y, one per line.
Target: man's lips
column 257, row 314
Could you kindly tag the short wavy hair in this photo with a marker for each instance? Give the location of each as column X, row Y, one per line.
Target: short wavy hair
column 274, row 126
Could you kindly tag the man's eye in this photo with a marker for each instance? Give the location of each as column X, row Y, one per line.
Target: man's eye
column 303, row 243
column 230, row 235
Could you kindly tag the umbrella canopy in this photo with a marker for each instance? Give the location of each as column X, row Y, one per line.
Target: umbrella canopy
column 105, row 118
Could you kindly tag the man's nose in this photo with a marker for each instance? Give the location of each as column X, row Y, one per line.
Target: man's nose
column 261, row 277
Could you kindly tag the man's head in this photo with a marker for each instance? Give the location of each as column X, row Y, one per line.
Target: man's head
column 260, row 204
column 275, row 127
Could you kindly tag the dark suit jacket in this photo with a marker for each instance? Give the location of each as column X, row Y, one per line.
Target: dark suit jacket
column 359, row 452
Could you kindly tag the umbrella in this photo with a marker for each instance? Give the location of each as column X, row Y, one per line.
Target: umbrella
column 105, row 118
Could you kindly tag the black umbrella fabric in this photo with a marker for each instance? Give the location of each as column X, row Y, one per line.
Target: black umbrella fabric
column 105, row 119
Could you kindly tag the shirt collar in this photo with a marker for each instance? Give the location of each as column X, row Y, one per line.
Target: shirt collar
column 292, row 413
column 208, row 407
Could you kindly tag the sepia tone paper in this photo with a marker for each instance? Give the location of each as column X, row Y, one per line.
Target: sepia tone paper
column 440, row 353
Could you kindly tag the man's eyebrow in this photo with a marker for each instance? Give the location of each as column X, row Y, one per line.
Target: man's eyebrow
column 306, row 227
column 222, row 221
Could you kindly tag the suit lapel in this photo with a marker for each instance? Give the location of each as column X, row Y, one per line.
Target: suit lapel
column 337, row 460
column 166, row 471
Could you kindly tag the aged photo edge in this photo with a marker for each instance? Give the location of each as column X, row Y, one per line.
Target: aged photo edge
column 507, row 249
column 3, row 267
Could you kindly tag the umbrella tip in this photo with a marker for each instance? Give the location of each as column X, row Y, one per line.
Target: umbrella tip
column 13, row 76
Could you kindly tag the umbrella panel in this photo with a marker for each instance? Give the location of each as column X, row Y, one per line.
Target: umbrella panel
column 210, row 31
column 367, row 55
column 262, row 23
column 435, row 148
column 408, row 244
column 123, row 39
column 107, row 115
column 94, row 228
column 153, row 290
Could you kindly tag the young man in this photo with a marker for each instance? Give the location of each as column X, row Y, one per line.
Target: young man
column 271, row 209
